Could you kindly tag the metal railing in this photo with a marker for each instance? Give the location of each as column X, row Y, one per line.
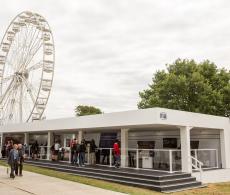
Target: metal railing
column 106, row 153
column 209, row 157
column 197, row 166
column 168, row 160
column 157, row 159
column 45, row 153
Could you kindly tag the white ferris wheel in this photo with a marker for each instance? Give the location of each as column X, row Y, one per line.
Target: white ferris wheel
column 26, row 68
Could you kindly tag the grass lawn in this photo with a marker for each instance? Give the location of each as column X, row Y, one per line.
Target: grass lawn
column 212, row 189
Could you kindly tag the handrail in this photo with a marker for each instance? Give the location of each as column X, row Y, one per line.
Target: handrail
column 139, row 149
column 155, row 149
column 134, row 149
column 204, row 149
column 195, row 163
column 198, row 166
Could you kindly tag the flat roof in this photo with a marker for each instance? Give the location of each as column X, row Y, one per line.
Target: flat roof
column 126, row 119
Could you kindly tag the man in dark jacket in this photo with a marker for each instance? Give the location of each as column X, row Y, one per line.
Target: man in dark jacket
column 9, row 147
column 13, row 159
column 76, row 150
column 72, row 147
column 82, row 153
column 93, row 148
column 35, row 148
column 20, row 161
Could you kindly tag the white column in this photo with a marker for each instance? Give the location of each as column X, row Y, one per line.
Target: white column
column 185, row 149
column 1, row 144
column 49, row 143
column 26, row 139
column 80, row 136
column 225, row 148
column 124, row 146
column 64, row 141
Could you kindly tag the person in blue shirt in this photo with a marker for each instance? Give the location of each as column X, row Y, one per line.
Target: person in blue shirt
column 13, row 160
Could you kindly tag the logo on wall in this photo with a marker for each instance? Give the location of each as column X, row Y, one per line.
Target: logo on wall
column 163, row 115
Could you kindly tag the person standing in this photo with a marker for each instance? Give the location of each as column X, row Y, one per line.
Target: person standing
column 13, row 159
column 62, row 153
column 76, row 150
column 72, row 144
column 9, row 147
column 21, row 154
column 117, row 153
column 82, row 153
column 56, row 150
column 105, row 153
column 42, row 152
column 93, row 148
column 35, row 148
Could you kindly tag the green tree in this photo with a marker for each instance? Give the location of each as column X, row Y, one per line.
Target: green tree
column 82, row 110
column 189, row 86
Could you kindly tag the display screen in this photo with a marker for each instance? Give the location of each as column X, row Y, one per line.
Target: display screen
column 169, row 142
column 107, row 140
column 146, row 144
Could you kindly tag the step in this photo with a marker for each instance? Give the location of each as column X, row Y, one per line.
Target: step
column 163, row 184
column 114, row 176
column 186, row 188
column 130, row 183
column 180, row 187
column 126, row 172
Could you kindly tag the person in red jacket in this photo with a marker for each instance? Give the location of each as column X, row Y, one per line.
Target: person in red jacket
column 117, row 153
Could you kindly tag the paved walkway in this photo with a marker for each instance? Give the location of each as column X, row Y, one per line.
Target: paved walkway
column 214, row 176
column 32, row 183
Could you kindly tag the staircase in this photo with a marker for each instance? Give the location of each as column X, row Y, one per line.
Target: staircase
column 154, row 180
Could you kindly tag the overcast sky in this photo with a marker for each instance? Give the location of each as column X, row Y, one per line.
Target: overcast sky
column 107, row 50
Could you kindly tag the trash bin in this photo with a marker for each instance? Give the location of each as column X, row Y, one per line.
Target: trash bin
column 147, row 162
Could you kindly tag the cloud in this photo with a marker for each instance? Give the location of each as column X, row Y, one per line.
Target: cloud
column 107, row 51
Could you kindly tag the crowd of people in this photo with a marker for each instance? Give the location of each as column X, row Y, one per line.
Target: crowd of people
column 16, row 153
column 33, row 150
column 78, row 151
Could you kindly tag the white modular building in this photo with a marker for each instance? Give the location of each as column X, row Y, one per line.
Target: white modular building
column 154, row 138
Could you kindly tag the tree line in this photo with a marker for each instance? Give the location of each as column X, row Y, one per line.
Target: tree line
column 184, row 85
